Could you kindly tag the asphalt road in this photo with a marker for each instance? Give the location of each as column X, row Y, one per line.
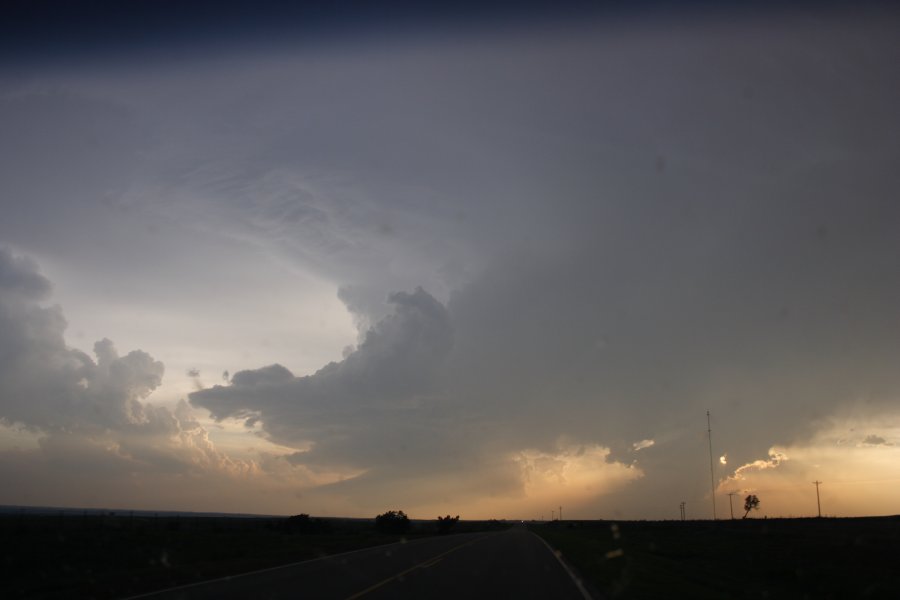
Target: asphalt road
column 508, row 564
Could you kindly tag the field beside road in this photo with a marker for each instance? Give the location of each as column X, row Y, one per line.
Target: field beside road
column 753, row 558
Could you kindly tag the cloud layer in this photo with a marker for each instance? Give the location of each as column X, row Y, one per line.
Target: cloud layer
column 559, row 246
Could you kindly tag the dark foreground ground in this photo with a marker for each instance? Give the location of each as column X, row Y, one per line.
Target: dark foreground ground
column 99, row 556
column 754, row 558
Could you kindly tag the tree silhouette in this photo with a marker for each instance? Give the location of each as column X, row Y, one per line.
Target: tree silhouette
column 304, row 524
column 393, row 521
column 445, row 524
column 751, row 502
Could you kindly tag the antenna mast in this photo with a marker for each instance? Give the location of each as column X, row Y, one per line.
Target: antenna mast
column 712, row 478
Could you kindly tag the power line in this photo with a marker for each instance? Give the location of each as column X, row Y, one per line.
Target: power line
column 818, row 503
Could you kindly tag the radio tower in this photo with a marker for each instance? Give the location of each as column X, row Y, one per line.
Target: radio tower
column 712, row 478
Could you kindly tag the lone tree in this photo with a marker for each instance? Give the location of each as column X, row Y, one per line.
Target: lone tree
column 302, row 523
column 751, row 502
column 445, row 524
column 393, row 521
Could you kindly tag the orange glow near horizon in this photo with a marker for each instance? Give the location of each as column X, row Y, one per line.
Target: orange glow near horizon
column 860, row 474
column 857, row 462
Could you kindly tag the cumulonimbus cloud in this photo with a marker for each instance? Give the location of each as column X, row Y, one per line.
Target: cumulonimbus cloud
column 95, row 407
column 394, row 372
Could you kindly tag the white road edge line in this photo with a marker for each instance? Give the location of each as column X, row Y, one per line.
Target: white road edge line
column 575, row 580
column 422, row 565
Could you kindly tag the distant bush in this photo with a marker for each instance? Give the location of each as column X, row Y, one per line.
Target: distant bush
column 393, row 521
column 494, row 524
column 446, row 524
column 304, row 524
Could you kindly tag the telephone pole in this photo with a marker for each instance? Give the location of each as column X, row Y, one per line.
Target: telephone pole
column 560, row 513
column 712, row 478
column 731, row 496
column 681, row 506
column 818, row 503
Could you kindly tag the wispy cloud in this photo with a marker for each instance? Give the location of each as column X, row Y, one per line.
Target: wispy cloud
column 776, row 458
column 642, row 444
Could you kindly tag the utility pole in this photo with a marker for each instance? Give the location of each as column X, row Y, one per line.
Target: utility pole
column 731, row 496
column 712, row 478
column 552, row 514
column 560, row 513
column 681, row 506
column 818, row 503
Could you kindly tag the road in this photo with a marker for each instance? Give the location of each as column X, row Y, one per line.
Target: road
column 507, row 564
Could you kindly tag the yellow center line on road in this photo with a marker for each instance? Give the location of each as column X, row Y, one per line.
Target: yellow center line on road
column 422, row 565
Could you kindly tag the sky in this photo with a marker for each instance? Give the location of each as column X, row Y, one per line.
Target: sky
column 458, row 261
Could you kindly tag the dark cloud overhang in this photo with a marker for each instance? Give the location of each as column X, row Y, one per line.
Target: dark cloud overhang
column 55, row 30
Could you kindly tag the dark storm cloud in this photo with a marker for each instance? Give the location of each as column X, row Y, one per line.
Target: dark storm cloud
column 688, row 316
column 876, row 440
column 615, row 349
column 391, row 372
column 614, row 230
column 53, row 29
column 19, row 275
column 611, row 299
column 382, row 410
column 51, row 387
column 104, row 25
column 38, row 31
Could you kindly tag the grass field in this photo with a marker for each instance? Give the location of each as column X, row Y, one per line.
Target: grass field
column 114, row 556
column 754, row 558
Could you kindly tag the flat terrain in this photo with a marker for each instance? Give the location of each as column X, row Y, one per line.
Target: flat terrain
column 105, row 557
column 753, row 558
